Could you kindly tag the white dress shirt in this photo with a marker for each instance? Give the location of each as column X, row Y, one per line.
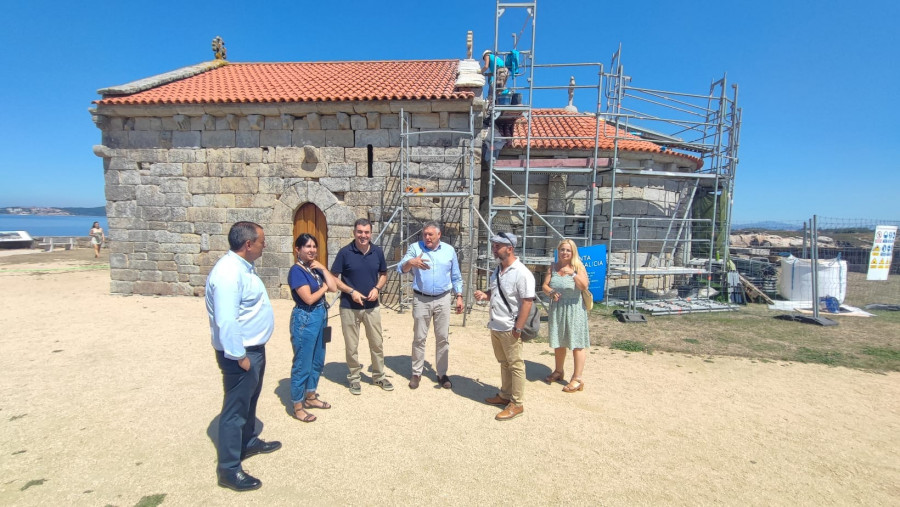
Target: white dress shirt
column 240, row 313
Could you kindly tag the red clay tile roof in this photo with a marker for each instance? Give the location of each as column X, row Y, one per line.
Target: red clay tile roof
column 307, row 82
column 562, row 126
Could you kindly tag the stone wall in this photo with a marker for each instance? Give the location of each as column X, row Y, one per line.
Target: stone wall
column 177, row 178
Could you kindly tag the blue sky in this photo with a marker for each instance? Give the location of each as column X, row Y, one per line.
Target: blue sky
column 817, row 78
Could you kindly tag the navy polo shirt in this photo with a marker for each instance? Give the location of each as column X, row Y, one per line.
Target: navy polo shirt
column 359, row 271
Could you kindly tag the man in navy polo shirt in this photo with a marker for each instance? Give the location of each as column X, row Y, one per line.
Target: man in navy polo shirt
column 361, row 273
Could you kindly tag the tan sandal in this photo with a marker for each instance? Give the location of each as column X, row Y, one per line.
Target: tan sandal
column 554, row 377
column 298, row 409
column 307, row 403
column 575, row 385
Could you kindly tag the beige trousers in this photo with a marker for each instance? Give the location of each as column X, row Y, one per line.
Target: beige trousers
column 508, row 351
column 371, row 320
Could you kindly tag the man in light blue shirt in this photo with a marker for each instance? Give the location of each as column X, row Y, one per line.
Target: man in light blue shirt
column 241, row 321
column 437, row 281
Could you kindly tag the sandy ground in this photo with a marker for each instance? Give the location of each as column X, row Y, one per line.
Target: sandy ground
column 106, row 399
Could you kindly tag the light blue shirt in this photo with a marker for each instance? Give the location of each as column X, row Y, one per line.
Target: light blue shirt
column 240, row 313
column 444, row 273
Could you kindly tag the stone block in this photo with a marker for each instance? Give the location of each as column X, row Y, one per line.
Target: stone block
column 427, row 121
column 389, row 121
column 440, row 139
column 271, row 185
column 308, row 137
column 336, row 184
column 341, row 138
column 328, row 122
column 256, row 122
column 320, row 195
column 260, row 216
column 195, row 169
column 367, row 185
column 380, row 169
column 239, row 185
column 254, row 200
column 459, row 121
column 314, row 121
column 301, row 124
column 204, row 185
column 217, row 138
column 149, row 195
column 218, row 155
column 223, row 169
column 246, row 155
column 341, row 169
column 124, row 275
column 223, row 200
column 275, row 138
column 122, row 209
column 379, row 138
column 209, row 228
column 181, row 227
column 120, row 192
column 247, row 139
column 417, row 106
column 386, row 154
column 356, row 155
column 186, row 139
column 178, row 200
column 143, row 139
column 186, row 155
column 289, row 155
column 166, row 169
column 343, row 121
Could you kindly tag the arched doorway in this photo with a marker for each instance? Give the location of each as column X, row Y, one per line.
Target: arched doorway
column 309, row 219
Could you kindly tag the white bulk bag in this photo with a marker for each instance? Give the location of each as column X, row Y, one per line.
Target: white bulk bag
column 795, row 279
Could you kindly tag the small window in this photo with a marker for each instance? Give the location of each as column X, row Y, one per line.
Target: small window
column 369, row 154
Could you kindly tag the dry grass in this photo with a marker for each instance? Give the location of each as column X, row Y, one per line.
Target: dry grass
column 856, row 342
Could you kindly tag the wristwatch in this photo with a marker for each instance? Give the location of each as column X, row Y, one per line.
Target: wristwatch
column 517, row 330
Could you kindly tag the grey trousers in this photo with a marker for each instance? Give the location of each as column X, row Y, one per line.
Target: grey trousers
column 425, row 310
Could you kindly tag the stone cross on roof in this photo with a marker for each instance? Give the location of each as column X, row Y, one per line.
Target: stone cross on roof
column 218, row 47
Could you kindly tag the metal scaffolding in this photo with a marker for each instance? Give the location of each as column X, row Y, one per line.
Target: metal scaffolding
column 693, row 247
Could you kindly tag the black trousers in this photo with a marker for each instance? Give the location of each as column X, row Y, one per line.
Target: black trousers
column 237, row 422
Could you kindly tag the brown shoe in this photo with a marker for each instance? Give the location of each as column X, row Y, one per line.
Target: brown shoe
column 510, row 412
column 414, row 381
column 497, row 400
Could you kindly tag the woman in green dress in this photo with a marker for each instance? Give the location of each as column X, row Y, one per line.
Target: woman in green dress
column 565, row 281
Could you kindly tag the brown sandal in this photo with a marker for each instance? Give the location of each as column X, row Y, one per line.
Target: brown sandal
column 555, row 376
column 575, row 385
column 298, row 409
column 321, row 403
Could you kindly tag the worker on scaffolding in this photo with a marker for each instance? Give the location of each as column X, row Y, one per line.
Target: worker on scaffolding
column 495, row 66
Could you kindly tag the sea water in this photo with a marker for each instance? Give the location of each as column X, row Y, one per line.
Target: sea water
column 51, row 225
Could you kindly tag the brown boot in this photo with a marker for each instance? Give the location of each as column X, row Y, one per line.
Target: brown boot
column 510, row 412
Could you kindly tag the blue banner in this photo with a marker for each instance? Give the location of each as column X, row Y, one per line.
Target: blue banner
column 594, row 259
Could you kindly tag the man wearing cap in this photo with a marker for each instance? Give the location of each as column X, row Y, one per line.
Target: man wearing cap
column 511, row 296
column 437, row 281
column 241, row 322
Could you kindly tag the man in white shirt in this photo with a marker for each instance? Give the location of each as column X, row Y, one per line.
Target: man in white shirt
column 511, row 296
column 241, row 322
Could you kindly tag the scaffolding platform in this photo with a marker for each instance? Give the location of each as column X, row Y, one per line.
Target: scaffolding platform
column 678, row 306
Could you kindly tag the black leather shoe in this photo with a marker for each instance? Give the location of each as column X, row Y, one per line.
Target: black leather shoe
column 261, row 447
column 239, row 481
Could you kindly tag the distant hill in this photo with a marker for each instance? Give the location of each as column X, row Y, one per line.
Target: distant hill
column 99, row 211
column 767, row 225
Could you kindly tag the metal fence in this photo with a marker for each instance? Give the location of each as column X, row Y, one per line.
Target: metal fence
column 764, row 253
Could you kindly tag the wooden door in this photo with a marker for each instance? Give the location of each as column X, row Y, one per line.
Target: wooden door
column 309, row 219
